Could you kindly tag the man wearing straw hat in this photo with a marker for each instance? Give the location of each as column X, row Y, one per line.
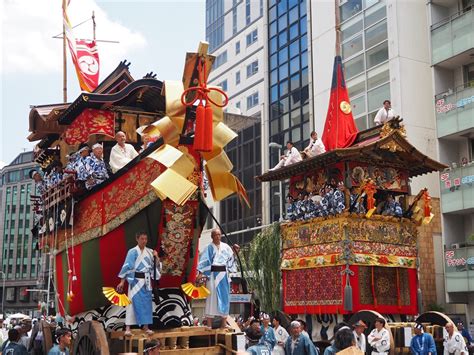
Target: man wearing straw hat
column 359, row 336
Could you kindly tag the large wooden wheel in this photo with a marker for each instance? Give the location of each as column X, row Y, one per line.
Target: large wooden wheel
column 91, row 340
column 48, row 335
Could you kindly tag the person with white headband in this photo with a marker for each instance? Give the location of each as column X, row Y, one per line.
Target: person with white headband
column 267, row 331
column 95, row 167
column 422, row 343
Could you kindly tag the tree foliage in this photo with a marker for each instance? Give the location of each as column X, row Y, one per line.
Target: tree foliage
column 263, row 259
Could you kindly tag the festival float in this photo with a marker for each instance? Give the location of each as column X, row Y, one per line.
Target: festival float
column 355, row 264
column 85, row 234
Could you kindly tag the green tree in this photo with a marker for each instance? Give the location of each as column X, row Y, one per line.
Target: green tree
column 263, row 259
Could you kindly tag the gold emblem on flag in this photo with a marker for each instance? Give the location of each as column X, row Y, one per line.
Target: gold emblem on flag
column 345, row 107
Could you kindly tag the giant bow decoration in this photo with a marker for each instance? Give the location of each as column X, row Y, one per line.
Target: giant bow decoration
column 211, row 135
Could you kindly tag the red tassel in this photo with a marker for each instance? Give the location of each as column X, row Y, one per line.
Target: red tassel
column 207, row 144
column 199, row 128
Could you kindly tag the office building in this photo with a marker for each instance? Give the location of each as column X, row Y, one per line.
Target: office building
column 236, row 36
column 452, row 57
column 19, row 257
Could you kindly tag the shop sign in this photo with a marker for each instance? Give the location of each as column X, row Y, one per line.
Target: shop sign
column 443, row 107
column 452, row 261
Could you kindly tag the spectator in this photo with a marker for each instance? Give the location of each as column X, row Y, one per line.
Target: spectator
column 11, row 346
column 63, row 338
column 342, row 340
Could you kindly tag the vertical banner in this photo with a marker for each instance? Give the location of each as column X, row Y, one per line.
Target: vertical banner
column 84, row 55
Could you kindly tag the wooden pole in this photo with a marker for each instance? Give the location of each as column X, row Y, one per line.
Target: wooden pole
column 64, row 66
column 93, row 25
column 338, row 27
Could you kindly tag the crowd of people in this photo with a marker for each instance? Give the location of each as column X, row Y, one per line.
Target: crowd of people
column 26, row 337
column 331, row 201
column 262, row 338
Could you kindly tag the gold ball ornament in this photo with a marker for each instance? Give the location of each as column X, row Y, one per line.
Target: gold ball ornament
column 345, row 107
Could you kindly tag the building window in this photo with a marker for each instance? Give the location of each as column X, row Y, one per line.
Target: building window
column 220, row 59
column 234, row 20
column 237, row 47
column 237, row 105
column 237, row 78
column 252, row 37
column 252, row 100
column 214, row 23
column 252, row 69
column 247, row 12
column 365, row 56
column 223, row 85
column 469, row 75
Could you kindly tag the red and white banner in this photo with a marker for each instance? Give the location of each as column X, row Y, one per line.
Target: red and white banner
column 84, row 55
column 87, row 64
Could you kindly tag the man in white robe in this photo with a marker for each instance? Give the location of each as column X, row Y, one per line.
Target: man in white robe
column 454, row 342
column 292, row 156
column 315, row 146
column 359, row 336
column 385, row 114
column 215, row 263
column 379, row 338
column 122, row 153
column 138, row 269
column 281, row 336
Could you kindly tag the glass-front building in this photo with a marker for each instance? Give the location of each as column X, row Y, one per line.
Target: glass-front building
column 19, row 257
column 288, row 82
column 364, row 50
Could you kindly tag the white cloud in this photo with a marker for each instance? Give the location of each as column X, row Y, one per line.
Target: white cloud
column 29, row 25
column 2, row 164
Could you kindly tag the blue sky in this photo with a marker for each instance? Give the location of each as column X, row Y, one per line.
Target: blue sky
column 154, row 36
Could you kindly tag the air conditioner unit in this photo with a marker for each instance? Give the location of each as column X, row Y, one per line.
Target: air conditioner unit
column 458, row 245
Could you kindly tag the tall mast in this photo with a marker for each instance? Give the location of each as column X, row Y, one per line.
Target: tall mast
column 93, row 26
column 64, row 65
column 338, row 27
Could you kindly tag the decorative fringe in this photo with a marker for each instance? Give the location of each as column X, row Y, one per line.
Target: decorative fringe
column 199, row 128
column 208, row 129
column 348, row 298
column 419, row 300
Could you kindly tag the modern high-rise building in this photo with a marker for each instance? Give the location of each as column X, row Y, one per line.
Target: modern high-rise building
column 236, row 36
column 385, row 48
column 19, row 258
column 452, row 59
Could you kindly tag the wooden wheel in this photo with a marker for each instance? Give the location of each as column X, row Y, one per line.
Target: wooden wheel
column 48, row 340
column 368, row 317
column 91, row 340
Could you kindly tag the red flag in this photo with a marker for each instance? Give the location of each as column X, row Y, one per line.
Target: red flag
column 340, row 130
column 84, row 55
column 87, row 64
column 89, row 122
